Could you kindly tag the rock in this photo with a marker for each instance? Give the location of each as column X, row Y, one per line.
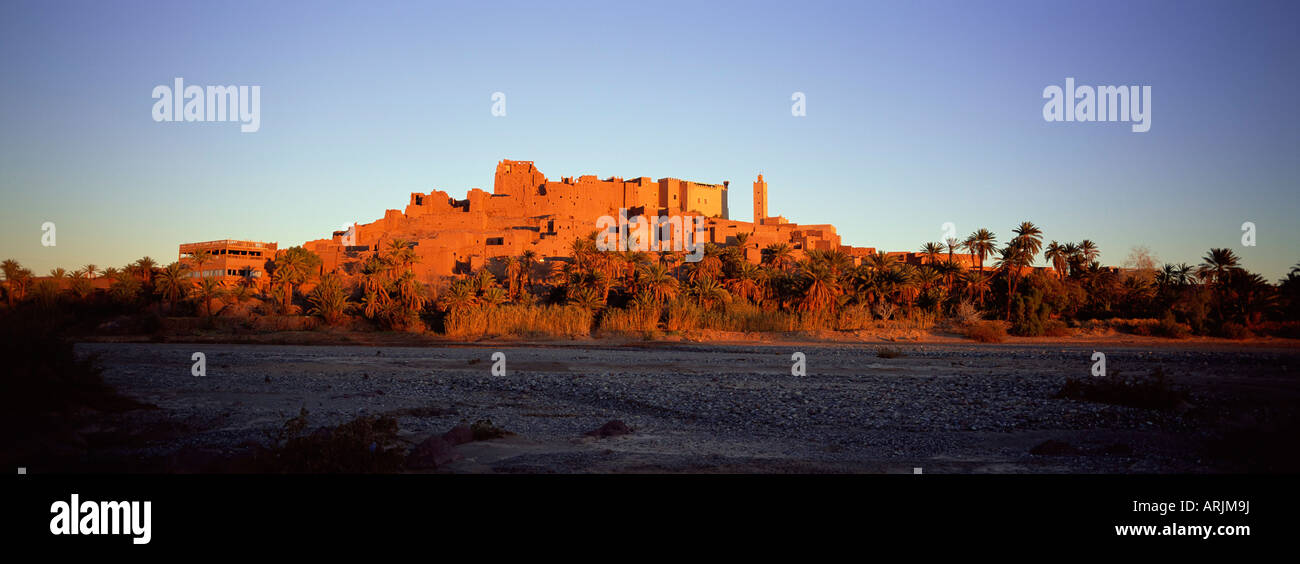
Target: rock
column 432, row 453
column 612, row 428
column 484, row 430
column 458, row 435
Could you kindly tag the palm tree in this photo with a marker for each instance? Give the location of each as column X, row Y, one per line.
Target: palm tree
column 494, row 296
column 401, row 255
column 529, row 258
column 514, row 275
column 46, row 293
column 81, row 287
column 745, row 284
column 1030, row 238
column 977, row 284
column 90, row 270
column 125, row 287
column 329, row 299
column 1166, row 275
column 399, row 252
column 459, row 297
column 952, row 244
column 1089, row 251
column 586, row 297
column 410, row 293
column 880, row 261
column 1016, row 256
column 709, row 293
column 657, row 283
column 1056, row 254
column 928, row 278
column 862, row 282
column 778, row 255
column 1073, row 258
column 173, row 283
column 932, row 252
column 145, row 268
column 982, row 244
column 291, row 268
column 206, row 290
column 200, row 258
column 10, row 267
column 375, row 303
column 904, row 281
column 820, row 287
column 950, row 270
column 57, row 275
column 1217, row 265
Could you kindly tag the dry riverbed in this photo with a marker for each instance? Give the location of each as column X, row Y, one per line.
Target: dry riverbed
column 707, row 408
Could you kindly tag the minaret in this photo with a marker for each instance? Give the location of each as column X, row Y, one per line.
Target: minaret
column 760, row 200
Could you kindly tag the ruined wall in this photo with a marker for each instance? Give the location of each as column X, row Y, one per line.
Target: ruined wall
column 527, row 212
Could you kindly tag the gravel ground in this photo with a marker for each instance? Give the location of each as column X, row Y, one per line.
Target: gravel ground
column 705, row 408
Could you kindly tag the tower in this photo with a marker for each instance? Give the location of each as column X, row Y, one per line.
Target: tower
column 760, row 200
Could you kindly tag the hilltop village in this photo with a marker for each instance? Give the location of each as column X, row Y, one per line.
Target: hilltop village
column 526, row 211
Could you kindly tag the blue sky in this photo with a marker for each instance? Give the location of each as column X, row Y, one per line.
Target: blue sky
column 918, row 113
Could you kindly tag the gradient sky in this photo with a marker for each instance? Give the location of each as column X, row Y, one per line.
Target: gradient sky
column 919, row 113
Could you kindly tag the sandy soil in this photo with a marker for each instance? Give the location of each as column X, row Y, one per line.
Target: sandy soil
column 940, row 406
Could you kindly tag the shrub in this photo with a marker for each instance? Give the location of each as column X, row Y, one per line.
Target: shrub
column 1153, row 391
column 1233, row 330
column 1029, row 314
column 883, row 309
column 888, row 353
column 986, row 331
column 365, row 444
column 1171, row 328
column 965, row 313
column 1167, row 326
column 1056, row 328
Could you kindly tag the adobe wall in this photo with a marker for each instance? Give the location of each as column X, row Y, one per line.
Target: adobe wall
column 525, row 211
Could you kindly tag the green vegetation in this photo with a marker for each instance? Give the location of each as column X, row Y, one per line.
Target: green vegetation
column 644, row 295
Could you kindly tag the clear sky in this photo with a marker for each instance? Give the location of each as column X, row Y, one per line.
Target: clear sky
column 918, row 113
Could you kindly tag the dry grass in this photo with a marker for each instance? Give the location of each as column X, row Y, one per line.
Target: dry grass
column 746, row 318
column 552, row 321
column 631, row 322
column 737, row 317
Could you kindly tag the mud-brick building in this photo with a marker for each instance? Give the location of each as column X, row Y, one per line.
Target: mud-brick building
column 525, row 211
column 229, row 259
